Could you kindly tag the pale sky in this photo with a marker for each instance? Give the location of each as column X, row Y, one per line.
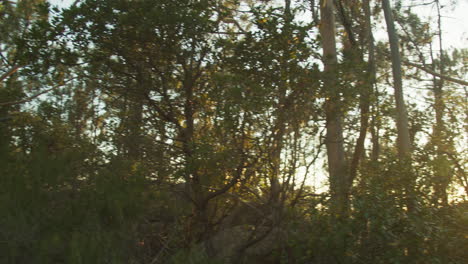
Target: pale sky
column 454, row 23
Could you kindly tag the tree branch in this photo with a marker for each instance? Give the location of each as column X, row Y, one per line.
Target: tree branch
column 27, row 99
column 10, row 72
column 447, row 78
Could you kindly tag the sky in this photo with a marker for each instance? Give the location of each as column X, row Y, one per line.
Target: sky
column 454, row 22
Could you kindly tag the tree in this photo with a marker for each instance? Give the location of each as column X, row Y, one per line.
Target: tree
column 334, row 138
column 195, row 132
column 403, row 141
column 337, row 164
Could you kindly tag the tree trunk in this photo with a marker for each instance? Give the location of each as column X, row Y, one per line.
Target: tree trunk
column 367, row 81
column 337, row 165
column 441, row 172
column 403, row 141
column 334, row 138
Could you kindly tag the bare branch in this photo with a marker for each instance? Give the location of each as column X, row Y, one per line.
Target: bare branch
column 9, row 73
column 445, row 77
column 22, row 101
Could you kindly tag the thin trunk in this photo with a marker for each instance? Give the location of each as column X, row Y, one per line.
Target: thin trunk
column 334, row 138
column 441, row 172
column 198, row 226
column 280, row 125
column 403, row 141
column 375, row 128
column 135, row 122
column 133, row 140
column 337, row 165
column 364, row 103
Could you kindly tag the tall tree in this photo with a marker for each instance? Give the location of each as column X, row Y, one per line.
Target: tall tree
column 403, row 141
column 441, row 172
column 334, row 141
column 354, row 50
column 337, row 166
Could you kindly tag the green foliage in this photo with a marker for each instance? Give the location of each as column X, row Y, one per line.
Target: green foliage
column 53, row 213
column 171, row 123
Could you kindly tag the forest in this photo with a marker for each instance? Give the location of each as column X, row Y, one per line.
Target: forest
column 232, row 131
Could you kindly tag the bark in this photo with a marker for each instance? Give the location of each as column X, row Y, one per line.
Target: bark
column 133, row 141
column 403, row 141
column 368, row 83
column 198, row 224
column 441, row 173
column 334, row 137
column 375, row 137
column 279, row 129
